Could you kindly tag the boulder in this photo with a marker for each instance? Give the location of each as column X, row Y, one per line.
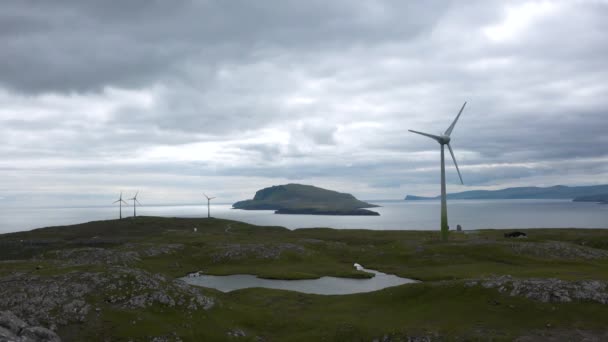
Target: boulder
column 12, row 328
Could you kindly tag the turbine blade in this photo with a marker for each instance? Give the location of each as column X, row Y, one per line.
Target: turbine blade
column 137, row 193
column 212, row 198
column 206, row 195
column 116, row 201
column 449, row 130
column 137, row 202
column 456, row 164
column 438, row 139
column 125, row 202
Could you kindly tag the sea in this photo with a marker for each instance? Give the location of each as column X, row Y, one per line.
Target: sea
column 394, row 215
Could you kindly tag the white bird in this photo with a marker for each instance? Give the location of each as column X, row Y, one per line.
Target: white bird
column 358, row 267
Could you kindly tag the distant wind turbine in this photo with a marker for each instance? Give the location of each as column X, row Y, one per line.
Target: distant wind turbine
column 444, row 140
column 135, row 203
column 208, row 205
column 120, row 202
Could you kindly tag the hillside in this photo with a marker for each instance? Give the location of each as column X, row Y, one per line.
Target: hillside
column 117, row 281
column 305, row 199
column 532, row 192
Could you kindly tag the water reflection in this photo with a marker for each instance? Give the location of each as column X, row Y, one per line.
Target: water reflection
column 323, row 285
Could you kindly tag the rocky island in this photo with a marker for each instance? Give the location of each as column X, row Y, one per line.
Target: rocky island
column 306, row 199
column 598, row 198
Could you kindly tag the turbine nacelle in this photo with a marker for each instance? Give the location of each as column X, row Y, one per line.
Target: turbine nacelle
column 444, row 139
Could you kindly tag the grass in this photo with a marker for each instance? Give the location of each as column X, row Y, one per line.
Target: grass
column 442, row 304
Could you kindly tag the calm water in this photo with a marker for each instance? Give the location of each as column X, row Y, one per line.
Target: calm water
column 323, row 285
column 422, row 215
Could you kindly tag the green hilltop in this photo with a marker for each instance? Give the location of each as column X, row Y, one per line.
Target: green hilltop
column 305, row 199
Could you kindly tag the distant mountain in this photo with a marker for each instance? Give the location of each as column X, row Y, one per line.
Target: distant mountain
column 553, row 192
column 600, row 198
column 305, row 199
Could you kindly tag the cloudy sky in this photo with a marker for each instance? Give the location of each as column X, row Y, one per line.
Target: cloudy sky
column 174, row 98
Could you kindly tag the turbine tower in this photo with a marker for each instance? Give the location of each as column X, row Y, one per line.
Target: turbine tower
column 443, row 140
column 135, row 202
column 209, row 205
column 120, row 202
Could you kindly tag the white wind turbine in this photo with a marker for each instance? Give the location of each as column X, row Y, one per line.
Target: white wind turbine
column 208, row 205
column 444, row 140
column 135, row 203
column 120, row 202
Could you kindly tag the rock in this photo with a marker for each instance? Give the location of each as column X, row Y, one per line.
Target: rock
column 11, row 322
column 261, row 251
column 96, row 256
column 236, row 333
column 62, row 299
column 549, row 290
column 560, row 250
column 39, row 334
column 12, row 328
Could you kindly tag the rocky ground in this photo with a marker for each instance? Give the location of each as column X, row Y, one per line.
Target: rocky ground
column 234, row 252
column 74, row 296
column 548, row 290
column 14, row 329
column 118, row 278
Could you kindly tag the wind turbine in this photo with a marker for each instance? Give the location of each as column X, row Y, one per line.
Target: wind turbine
column 120, row 202
column 208, row 205
column 443, row 140
column 135, row 202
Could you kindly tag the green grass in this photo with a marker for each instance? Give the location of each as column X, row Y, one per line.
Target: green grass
column 441, row 305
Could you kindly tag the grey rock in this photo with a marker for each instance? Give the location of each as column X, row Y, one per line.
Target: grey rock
column 236, row 333
column 13, row 329
column 39, row 334
column 11, row 322
column 62, row 299
column 259, row 251
column 548, row 290
column 558, row 250
column 96, row 256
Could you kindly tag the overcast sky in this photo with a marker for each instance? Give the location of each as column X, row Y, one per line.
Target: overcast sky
column 176, row 98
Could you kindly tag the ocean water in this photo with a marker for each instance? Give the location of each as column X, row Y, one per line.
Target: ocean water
column 394, row 215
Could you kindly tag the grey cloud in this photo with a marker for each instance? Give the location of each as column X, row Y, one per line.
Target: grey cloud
column 86, row 45
column 302, row 91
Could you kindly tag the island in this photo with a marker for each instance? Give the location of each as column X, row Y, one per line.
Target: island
column 306, row 199
column 599, row 198
column 530, row 192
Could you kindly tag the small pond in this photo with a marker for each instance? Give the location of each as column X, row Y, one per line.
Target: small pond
column 323, row 285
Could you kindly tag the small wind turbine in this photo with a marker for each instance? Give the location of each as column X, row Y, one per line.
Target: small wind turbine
column 135, row 203
column 444, row 140
column 209, row 205
column 120, row 202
